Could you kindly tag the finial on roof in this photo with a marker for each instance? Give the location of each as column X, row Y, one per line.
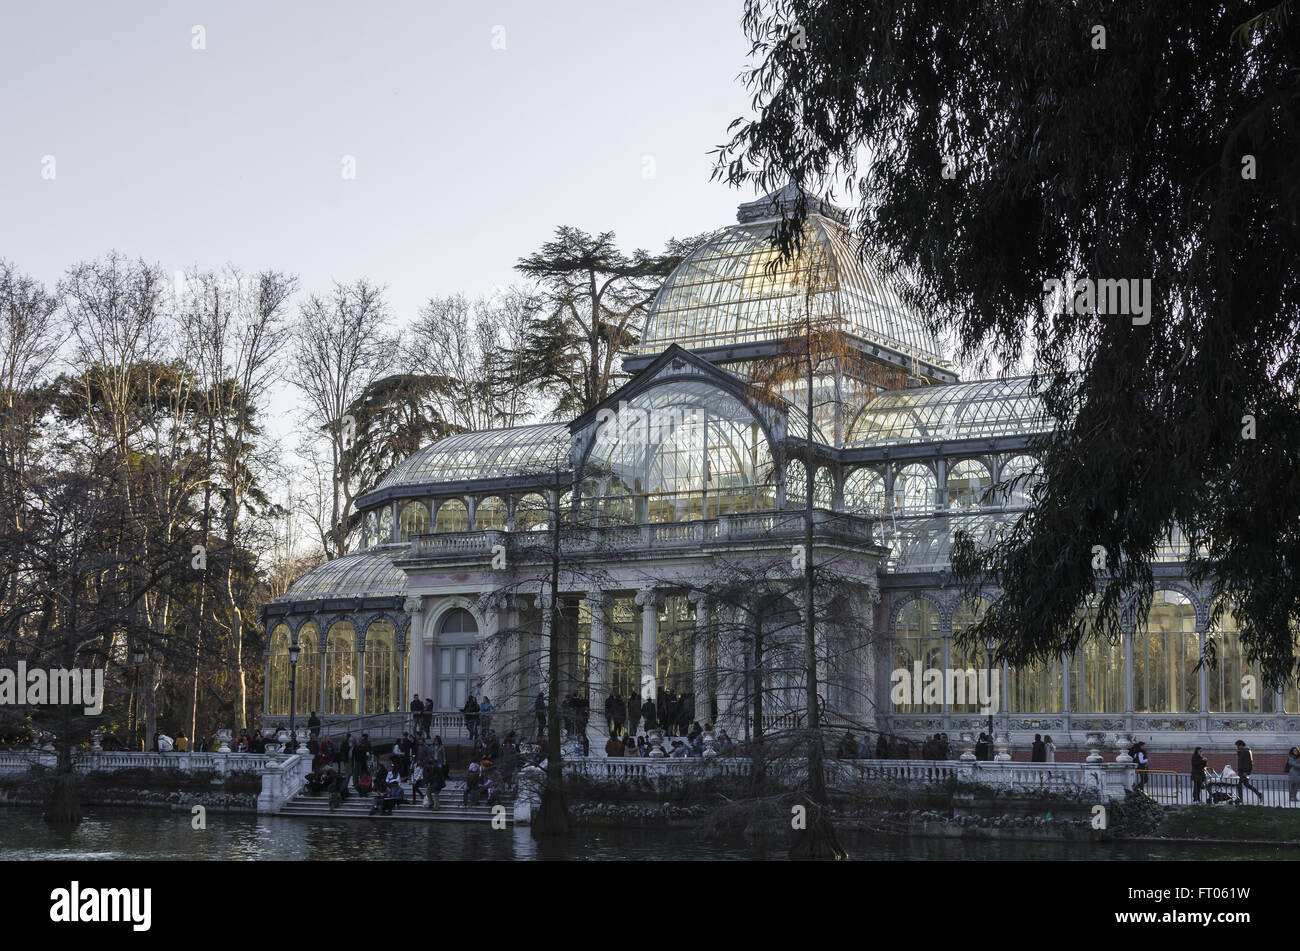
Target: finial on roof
column 781, row 202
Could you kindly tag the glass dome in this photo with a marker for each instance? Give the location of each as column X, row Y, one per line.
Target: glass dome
column 727, row 292
column 365, row 574
column 485, row 454
column 979, row 409
column 677, row 452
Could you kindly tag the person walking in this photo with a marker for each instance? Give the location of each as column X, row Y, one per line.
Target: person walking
column 1292, row 770
column 1199, row 763
column 1245, row 766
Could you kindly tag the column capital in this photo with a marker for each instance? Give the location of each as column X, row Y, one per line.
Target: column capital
column 696, row 597
column 647, row 596
column 596, row 596
column 413, row 605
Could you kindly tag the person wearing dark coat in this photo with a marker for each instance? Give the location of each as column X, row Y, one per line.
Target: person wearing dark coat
column 649, row 714
column 633, row 713
column 417, row 712
column 617, row 714
column 882, row 747
column 1199, row 763
column 1038, row 752
column 1245, row 766
column 982, row 747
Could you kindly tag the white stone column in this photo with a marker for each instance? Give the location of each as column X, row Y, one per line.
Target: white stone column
column 702, row 677
column 649, row 644
column 544, row 641
column 597, row 688
column 414, row 607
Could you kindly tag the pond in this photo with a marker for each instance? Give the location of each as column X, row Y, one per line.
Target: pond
column 157, row 834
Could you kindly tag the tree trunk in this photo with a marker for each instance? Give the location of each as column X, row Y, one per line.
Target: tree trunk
column 552, row 818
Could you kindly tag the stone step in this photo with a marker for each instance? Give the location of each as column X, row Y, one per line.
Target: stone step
column 356, row 807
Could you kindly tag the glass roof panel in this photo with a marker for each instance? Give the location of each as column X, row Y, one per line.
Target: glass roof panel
column 725, row 293
column 361, row 574
column 485, row 454
column 979, row 409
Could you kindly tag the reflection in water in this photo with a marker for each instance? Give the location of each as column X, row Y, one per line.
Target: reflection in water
column 122, row 834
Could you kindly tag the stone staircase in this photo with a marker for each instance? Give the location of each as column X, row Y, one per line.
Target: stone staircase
column 358, row 807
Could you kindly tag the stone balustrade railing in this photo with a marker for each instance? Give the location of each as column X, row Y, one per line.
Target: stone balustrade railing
column 1104, row 780
column 282, row 777
column 84, row 761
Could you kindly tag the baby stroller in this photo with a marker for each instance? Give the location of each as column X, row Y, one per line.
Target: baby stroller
column 1221, row 787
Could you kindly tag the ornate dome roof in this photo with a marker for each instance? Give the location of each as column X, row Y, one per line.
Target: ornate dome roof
column 363, row 574
column 728, row 290
column 484, row 454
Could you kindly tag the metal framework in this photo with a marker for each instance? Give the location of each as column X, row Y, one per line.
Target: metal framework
column 981, row 409
column 728, row 292
column 363, row 574
column 485, row 454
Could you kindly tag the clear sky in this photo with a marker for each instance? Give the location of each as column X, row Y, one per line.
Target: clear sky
column 467, row 156
column 595, row 114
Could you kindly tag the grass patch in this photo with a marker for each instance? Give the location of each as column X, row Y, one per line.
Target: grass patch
column 1231, row 822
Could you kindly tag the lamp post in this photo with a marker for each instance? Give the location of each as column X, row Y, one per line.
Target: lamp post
column 294, row 651
column 137, row 661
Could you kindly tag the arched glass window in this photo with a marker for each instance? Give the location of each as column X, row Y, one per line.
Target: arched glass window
column 974, row 657
column 914, row 488
column 383, row 669
column 783, row 667
column 1036, row 688
column 342, row 689
column 1236, row 685
column 277, row 672
column 1166, row 649
column 968, row 480
column 308, row 687
column 864, row 492
column 371, row 530
column 532, row 514
column 1097, row 673
column 457, row 673
column 490, row 515
column 796, row 486
column 1026, row 473
column 386, row 525
column 453, row 516
column 916, row 640
column 679, row 451
column 414, row 520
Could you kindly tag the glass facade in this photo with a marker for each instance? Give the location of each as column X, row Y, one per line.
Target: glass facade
column 678, row 452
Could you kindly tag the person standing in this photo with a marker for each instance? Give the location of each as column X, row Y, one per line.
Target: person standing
column 539, row 710
column 1199, row 763
column 1142, row 762
column 1292, row 771
column 649, row 714
column 1050, row 748
column 426, row 718
column 616, row 708
column 485, row 711
column 1245, row 766
column 1038, row 751
column 633, row 713
column 417, row 711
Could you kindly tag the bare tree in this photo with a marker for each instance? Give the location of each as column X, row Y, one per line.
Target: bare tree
column 340, row 348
